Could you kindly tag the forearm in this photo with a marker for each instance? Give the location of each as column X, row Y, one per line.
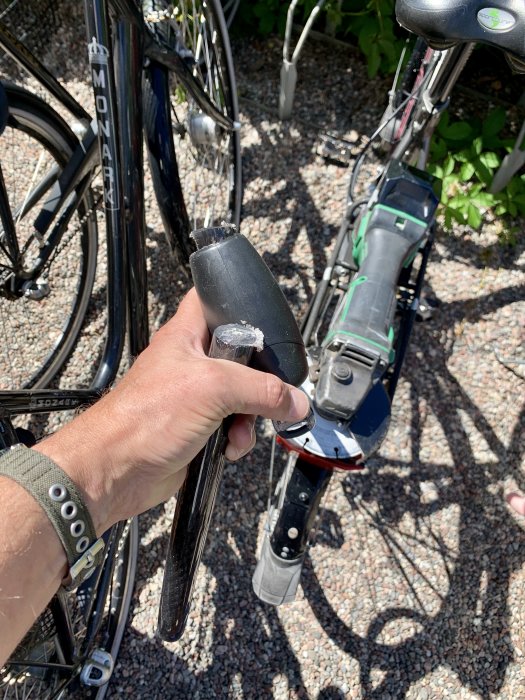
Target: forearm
column 128, row 453
column 32, row 563
column 95, row 451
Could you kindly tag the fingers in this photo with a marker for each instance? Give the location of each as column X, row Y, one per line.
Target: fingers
column 241, row 437
column 516, row 502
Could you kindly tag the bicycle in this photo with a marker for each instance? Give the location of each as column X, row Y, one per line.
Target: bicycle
column 299, row 499
column 358, row 324
column 158, row 69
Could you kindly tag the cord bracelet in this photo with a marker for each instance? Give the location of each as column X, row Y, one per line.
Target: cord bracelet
column 60, row 499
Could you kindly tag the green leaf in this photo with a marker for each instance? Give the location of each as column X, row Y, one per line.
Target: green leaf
column 458, row 131
column 490, row 159
column 484, row 173
column 494, row 123
column 448, row 166
column 435, row 170
column 493, row 143
column 439, row 149
column 459, row 202
column 449, row 183
column 477, row 145
column 389, row 49
column 483, row 200
column 457, row 215
column 374, row 61
column 266, row 24
column 474, row 217
column 368, row 35
column 463, row 156
column 467, row 171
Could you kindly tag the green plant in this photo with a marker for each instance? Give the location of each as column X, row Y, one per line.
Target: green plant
column 466, row 156
column 267, row 15
column 370, row 23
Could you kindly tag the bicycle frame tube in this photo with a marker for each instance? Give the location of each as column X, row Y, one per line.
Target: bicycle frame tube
column 18, row 52
column 435, row 98
column 46, row 400
column 103, row 79
column 450, row 70
column 128, row 66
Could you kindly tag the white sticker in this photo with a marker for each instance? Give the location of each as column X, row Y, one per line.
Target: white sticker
column 496, row 20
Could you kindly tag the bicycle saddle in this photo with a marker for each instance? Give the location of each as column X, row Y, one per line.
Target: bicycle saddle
column 442, row 23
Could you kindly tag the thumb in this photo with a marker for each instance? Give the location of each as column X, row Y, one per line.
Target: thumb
column 258, row 393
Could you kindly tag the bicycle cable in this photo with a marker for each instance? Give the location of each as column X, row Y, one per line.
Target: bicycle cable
column 359, row 161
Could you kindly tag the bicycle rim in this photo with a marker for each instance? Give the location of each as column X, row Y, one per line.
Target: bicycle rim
column 42, row 643
column 208, row 156
column 41, row 322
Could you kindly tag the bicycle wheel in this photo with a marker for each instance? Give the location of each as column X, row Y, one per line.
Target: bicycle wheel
column 53, row 663
column 40, row 314
column 208, row 156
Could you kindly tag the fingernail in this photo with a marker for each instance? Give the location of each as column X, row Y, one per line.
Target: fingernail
column 300, row 404
column 232, row 454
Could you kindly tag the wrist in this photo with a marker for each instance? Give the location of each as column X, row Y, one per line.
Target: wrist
column 96, row 450
column 82, row 463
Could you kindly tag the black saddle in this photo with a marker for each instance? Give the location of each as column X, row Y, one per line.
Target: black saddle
column 443, row 23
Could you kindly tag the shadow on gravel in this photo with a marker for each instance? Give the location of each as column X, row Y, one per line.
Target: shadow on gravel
column 294, row 153
column 465, row 248
column 239, row 641
column 467, row 626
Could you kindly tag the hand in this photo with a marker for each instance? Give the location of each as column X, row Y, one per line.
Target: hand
column 129, row 451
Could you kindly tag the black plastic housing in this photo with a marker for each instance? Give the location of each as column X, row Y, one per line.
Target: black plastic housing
column 235, row 286
column 446, row 22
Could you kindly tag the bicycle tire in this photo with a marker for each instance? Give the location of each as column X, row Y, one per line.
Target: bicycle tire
column 36, row 142
column 208, row 156
column 43, row 643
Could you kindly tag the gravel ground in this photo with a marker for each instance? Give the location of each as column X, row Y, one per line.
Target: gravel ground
column 414, row 586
